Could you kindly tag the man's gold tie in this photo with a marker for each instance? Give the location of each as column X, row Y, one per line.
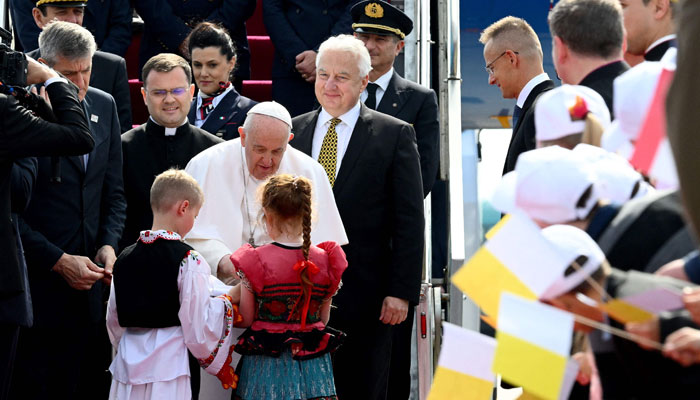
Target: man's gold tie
column 329, row 151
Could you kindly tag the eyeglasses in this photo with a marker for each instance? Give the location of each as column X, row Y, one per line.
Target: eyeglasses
column 489, row 66
column 162, row 93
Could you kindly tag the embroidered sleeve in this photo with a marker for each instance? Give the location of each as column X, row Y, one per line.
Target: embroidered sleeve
column 218, row 363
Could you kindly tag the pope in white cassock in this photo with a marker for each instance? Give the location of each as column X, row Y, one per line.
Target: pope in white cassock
column 229, row 174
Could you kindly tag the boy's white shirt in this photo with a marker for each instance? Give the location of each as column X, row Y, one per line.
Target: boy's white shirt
column 147, row 355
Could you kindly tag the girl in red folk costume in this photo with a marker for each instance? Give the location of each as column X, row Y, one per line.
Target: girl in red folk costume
column 160, row 317
column 286, row 301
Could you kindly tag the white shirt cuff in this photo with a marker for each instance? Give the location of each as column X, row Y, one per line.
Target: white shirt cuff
column 55, row 79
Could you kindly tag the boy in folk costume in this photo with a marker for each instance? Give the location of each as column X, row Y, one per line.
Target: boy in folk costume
column 160, row 315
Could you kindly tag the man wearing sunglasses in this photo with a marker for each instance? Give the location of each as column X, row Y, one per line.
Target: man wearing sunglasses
column 513, row 57
column 166, row 140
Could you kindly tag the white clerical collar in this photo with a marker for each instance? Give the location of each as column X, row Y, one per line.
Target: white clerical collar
column 217, row 99
column 383, row 81
column 169, row 131
column 661, row 40
column 528, row 88
column 349, row 118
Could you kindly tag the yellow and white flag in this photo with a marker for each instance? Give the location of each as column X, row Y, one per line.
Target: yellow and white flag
column 533, row 344
column 464, row 366
column 516, row 259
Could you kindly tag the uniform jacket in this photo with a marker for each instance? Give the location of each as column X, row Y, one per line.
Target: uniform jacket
column 226, row 117
column 110, row 23
column 22, row 134
column 168, row 22
column 523, row 138
column 601, row 80
column 77, row 216
column 417, row 105
column 109, row 75
column 379, row 195
column 299, row 25
column 656, row 53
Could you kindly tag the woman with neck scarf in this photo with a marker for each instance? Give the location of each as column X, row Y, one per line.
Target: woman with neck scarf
column 218, row 108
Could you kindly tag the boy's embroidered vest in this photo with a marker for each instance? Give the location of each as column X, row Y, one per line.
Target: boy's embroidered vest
column 145, row 283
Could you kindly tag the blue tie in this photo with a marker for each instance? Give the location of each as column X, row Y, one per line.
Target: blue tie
column 516, row 115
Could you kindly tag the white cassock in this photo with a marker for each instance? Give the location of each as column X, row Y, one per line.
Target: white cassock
column 223, row 226
column 227, row 218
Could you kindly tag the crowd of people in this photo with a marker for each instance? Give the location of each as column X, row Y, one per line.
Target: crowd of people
column 165, row 241
column 279, row 245
column 573, row 167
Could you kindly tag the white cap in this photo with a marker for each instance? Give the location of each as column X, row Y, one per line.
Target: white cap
column 547, row 184
column 615, row 175
column 562, row 111
column 572, row 242
column 272, row 109
column 632, row 95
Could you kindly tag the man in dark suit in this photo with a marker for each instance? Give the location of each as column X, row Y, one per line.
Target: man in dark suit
column 297, row 28
column 587, row 40
column 166, row 141
column 372, row 162
column 649, row 26
column 108, row 70
column 25, row 134
column 109, row 22
column 513, row 57
column 70, row 232
column 391, row 94
column 168, row 22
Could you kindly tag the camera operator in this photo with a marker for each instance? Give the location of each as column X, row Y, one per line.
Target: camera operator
column 24, row 134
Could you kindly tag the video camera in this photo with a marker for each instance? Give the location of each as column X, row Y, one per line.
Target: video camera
column 13, row 64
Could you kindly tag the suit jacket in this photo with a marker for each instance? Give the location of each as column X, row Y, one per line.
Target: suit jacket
column 379, row 195
column 22, row 134
column 417, row 105
column 77, row 216
column 646, row 374
column 601, row 80
column 148, row 152
column 523, row 138
column 110, row 24
column 299, row 25
column 109, row 75
column 682, row 108
column 168, row 22
column 658, row 51
column 226, row 117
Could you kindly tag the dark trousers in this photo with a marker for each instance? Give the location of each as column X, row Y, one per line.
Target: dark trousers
column 400, row 370
column 61, row 362
column 295, row 94
column 8, row 348
column 361, row 364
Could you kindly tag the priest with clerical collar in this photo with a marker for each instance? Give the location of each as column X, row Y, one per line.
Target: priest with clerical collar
column 230, row 173
column 166, row 141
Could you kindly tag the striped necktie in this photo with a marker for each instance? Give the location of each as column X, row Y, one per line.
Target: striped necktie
column 329, row 151
column 206, row 107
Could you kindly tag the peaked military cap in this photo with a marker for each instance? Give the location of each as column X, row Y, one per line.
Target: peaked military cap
column 380, row 18
column 62, row 3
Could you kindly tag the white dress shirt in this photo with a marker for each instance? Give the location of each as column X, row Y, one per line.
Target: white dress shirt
column 522, row 97
column 661, row 40
column 383, row 83
column 343, row 129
